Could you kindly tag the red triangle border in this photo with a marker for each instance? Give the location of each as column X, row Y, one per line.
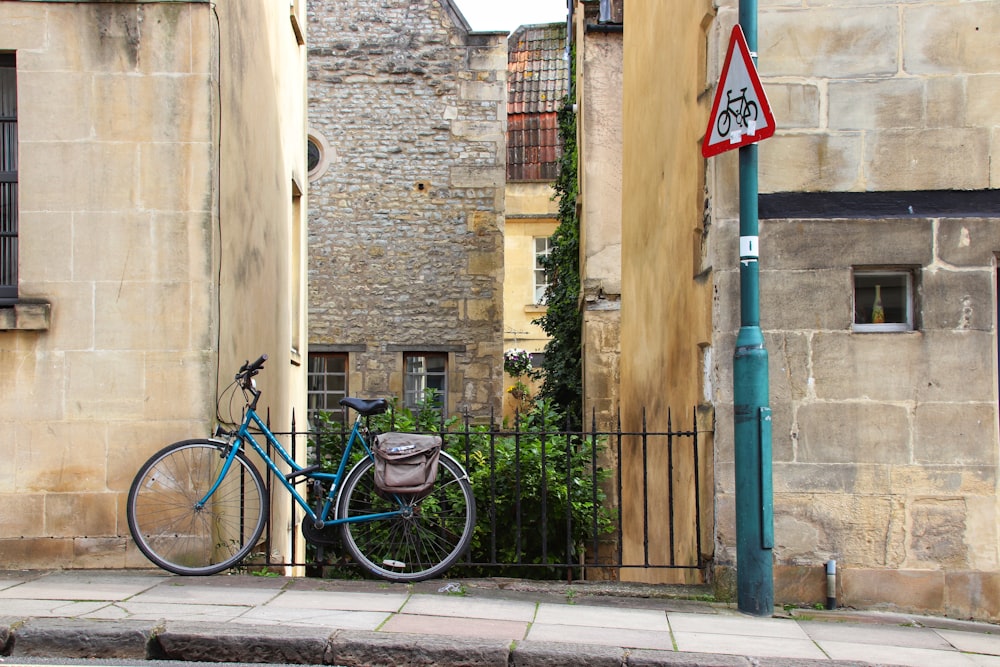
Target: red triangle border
column 709, row 150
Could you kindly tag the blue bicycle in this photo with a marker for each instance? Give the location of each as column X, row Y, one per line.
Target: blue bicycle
column 198, row 507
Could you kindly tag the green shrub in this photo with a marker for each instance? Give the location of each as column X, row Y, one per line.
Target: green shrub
column 516, row 474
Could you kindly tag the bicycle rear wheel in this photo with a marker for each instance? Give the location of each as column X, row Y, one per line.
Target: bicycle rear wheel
column 177, row 534
column 428, row 535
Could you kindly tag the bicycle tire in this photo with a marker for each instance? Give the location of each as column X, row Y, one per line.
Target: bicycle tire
column 723, row 127
column 433, row 533
column 173, row 532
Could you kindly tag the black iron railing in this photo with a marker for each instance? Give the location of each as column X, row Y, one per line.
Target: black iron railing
column 560, row 498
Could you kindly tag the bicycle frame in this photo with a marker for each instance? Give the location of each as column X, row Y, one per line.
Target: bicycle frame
column 244, row 435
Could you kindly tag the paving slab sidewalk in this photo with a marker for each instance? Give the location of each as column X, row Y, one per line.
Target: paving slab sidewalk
column 148, row 614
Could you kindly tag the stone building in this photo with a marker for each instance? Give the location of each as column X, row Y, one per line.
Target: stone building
column 407, row 114
column 152, row 240
column 881, row 184
column 598, row 33
column 537, row 79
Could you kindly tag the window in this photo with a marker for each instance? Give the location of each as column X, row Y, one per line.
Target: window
column 883, row 300
column 537, row 360
column 541, row 279
column 297, row 319
column 8, row 180
column 319, row 154
column 423, row 372
column 327, row 381
column 315, row 153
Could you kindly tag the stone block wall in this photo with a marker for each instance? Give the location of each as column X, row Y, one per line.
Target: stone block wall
column 873, row 96
column 115, row 249
column 406, row 223
column 138, row 152
column 885, row 444
column 600, row 72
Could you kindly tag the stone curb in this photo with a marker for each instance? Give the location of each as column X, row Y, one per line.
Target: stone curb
column 72, row 638
column 240, row 643
column 156, row 640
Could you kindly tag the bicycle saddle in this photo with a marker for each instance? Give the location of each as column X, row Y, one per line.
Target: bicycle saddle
column 365, row 407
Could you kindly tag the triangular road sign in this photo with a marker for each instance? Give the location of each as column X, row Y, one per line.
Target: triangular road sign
column 740, row 114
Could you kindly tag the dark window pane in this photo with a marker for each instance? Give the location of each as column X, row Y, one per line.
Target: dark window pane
column 314, row 154
column 882, row 298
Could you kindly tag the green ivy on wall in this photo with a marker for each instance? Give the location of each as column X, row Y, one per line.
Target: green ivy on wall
column 561, row 371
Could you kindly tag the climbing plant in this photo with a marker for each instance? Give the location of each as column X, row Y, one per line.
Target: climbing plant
column 562, row 375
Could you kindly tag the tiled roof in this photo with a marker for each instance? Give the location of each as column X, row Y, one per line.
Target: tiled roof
column 537, row 75
column 533, row 147
column 537, row 80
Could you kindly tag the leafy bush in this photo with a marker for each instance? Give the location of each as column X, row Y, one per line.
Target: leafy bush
column 516, row 474
column 562, row 369
column 520, row 478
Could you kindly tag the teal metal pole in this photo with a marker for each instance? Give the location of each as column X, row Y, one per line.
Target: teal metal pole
column 752, row 414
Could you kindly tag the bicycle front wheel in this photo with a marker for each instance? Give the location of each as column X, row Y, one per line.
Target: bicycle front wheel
column 178, row 533
column 426, row 536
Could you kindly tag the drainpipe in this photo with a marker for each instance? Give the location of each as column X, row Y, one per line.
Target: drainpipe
column 751, row 410
column 831, row 584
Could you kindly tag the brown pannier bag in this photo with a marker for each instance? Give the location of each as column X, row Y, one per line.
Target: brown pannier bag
column 405, row 462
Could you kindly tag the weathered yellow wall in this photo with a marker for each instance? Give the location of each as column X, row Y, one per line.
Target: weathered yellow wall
column 531, row 213
column 666, row 294
column 124, row 201
column 663, row 204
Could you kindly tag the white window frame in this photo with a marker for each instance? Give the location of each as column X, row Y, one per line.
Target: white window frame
column 326, row 153
column 415, row 383
column 538, row 288
column 313, row 373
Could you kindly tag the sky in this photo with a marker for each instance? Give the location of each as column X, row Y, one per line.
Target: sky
column 489, row 15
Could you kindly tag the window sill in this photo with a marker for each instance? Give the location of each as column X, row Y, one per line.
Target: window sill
column 895, row 327
column 536, row 308
column 26, row 316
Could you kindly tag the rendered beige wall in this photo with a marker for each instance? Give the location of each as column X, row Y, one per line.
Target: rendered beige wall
column 666, row 295
column 262, row 77
column 126, row 210
column 599, row 67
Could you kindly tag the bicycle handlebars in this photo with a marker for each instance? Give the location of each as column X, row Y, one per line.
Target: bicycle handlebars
column 252, row 369
column 245, row 378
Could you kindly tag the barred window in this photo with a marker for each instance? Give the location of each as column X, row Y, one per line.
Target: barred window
column 8, row 179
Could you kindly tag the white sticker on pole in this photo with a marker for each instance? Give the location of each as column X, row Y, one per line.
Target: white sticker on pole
column 749, row 247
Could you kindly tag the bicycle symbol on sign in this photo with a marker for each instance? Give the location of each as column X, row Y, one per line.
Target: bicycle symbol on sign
column 738, row 109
